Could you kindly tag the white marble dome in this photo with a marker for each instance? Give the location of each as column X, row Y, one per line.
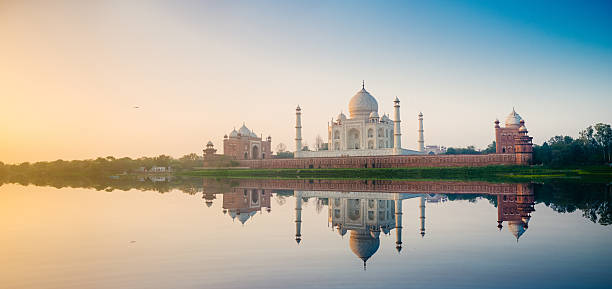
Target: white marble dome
column 362, row 104
column 363, row 244
column 513, row 119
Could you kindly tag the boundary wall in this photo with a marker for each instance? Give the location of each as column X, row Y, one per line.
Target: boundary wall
column 398, row 161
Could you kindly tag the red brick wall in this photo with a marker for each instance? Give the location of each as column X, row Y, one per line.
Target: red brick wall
column 386, row 161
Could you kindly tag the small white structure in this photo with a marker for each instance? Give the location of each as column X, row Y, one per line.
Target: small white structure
column 364, row 133
column 156, row 169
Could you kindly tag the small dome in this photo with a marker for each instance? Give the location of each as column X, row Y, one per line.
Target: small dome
column 513, row 119
column 374, row 114
column 341, row 116
column 209, row 143
column 234, row 133
column 361, row 104
column 522, row 129
column 385, row 118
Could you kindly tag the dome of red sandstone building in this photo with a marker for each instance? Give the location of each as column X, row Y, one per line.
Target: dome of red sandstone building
column 513, row 119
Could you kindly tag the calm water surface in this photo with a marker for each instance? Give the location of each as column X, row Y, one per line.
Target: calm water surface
column 306, row 234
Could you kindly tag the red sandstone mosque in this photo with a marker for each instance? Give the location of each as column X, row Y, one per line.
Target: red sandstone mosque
column 245, row 144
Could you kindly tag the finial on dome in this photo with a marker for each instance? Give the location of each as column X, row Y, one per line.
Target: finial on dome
column 363, row 84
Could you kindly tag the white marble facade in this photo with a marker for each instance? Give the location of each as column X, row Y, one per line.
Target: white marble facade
column 363, row 133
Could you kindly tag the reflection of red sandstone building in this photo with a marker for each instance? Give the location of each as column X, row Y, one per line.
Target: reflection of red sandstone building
column 245, row 144
column 244, row 203
column 516, row 209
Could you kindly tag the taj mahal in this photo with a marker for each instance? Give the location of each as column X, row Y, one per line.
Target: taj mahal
column 363, row 133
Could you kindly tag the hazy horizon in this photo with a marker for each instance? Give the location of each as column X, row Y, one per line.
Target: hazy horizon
column 73, row 71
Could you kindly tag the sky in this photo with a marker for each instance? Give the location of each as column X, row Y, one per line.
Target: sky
column 71, row 72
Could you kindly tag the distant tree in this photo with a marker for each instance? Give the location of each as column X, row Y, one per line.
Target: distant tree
column 318, row 142
column 491, row 148
column 284, row 155
column 281, row 147
column 470, row 150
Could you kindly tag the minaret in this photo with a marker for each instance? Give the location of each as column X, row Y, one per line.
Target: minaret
column 298, row 216
column 421, row 140
column 422, row 217
column 398, row 222
column 397, row 134
column 298, row 130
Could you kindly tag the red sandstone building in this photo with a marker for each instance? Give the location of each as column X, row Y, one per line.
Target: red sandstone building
column 244, row 144
column 513, row 138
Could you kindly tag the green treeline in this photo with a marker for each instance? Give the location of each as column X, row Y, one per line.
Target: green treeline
column 592, row 147
column 100, row 167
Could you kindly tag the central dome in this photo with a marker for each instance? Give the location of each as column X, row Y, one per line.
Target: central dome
column 362, row 104
column 363, row 244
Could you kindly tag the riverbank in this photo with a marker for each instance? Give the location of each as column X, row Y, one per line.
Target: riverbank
column 600, row 174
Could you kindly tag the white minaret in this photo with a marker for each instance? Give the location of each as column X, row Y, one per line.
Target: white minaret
column 422, row 209
column 298, row 216
column 397, row 134
column 421, row 140
column 298, row 130
column 398, row 222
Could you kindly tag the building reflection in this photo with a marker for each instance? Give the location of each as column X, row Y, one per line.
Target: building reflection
column 242, row 204
column 362, row 215
column 516, row 210
column 365, row 209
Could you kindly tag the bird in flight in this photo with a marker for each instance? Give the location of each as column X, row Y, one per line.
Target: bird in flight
column 135, row 106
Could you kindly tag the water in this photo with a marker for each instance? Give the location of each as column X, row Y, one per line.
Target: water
column 242, row 234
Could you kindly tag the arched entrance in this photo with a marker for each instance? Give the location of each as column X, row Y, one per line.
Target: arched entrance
column 354, row 139
column 255, row 152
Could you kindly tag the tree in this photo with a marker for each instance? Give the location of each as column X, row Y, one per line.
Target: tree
column 603, row 138
column 491, row 148
column 318, row 142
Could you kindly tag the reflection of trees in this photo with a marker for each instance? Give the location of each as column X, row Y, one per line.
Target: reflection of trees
column 592, row 199
column 123, row 183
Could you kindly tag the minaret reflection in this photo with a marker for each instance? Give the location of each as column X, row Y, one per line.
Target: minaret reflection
column 398, row 223
column 422, row 216
column 298, row 217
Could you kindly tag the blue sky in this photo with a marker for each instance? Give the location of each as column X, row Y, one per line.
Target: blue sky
column 199, row 68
